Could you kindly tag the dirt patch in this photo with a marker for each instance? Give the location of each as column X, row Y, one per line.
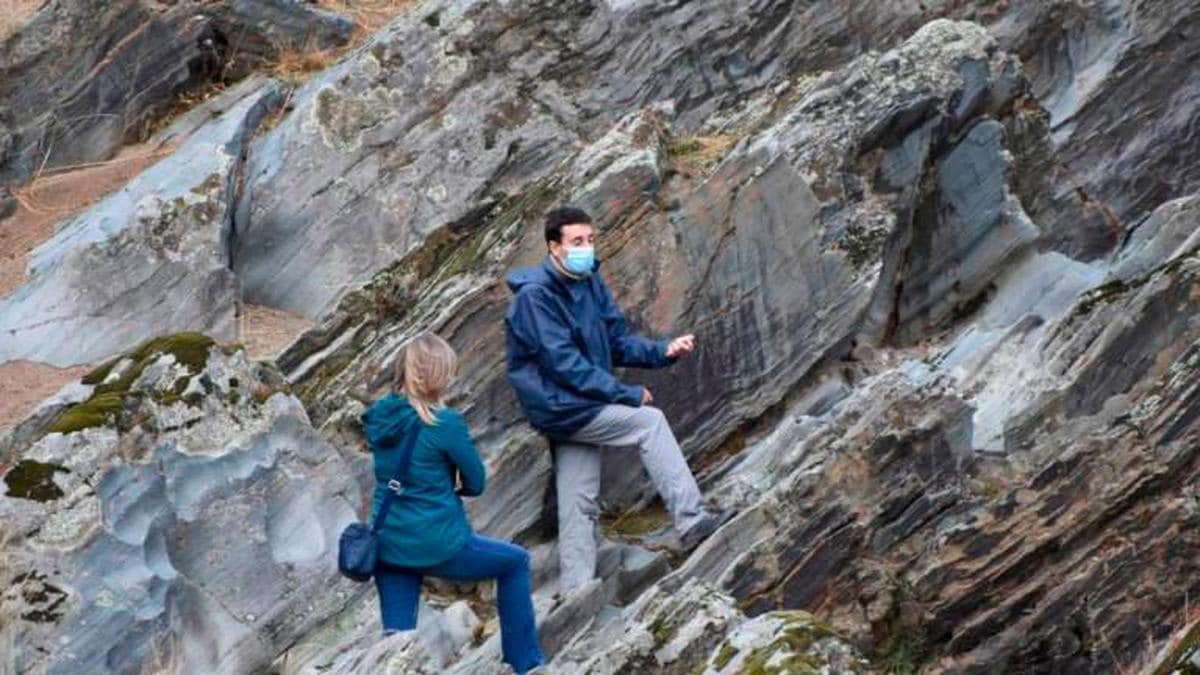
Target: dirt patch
column 265, row 331
column 25, row 384
column 51, row 198
column 14, row 13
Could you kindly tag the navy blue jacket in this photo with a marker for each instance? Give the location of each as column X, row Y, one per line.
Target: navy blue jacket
column 564, row 338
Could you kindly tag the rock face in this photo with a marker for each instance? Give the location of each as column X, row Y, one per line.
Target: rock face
column 81, row 78
column 458, row 102
column 765, row 313
column 123, row 523
column 96, row 288
column 942, row 273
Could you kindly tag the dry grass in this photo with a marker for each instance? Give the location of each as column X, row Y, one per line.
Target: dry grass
column 695, row 155
column 369, row 15
column 183, row 102
column 1161, row 657
column 14, row 13
column 299, row 65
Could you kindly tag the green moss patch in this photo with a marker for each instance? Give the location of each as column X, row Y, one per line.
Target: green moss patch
column 31, row 479
column 725, row 655
column 99, row 410
column 637, row 523
column 189, row 349
column 107, row 401
column 98, row 375
column 790, row 652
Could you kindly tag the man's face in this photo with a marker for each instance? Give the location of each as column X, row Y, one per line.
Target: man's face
column 573, row 236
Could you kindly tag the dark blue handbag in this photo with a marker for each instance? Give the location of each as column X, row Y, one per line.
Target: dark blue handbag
column 358, row 547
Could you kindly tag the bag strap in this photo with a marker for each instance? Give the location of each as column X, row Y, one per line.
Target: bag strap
column 410, row 443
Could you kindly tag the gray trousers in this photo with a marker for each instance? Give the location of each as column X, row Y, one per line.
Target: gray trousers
column 577, row 477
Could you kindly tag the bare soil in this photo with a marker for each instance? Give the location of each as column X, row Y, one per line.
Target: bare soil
column 53, row 197
column 265, row 331
column 25, row 384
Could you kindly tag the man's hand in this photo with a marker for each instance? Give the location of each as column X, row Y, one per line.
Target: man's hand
column 647, row 397
column 681, row 345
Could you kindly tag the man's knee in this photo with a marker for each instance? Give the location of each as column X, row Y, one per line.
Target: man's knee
column 650, row 417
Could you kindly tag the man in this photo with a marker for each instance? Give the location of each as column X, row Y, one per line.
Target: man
column 565, row 335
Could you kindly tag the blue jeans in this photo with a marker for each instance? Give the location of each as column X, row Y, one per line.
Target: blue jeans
column 481, row 558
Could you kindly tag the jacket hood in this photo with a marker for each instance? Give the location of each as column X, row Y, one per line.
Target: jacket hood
column 388, row 421
column 543, row 274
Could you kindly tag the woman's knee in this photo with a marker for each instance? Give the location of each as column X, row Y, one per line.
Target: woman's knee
column 512, row 556
column 519, row 558
column 518, row 561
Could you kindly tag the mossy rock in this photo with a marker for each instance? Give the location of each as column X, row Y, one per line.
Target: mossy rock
column 99, row 410
column 904, row 652
column 31, row 479
column 638, row 523
column 760, row 662
column 790, row 651
column 316, row 382
column 189, row 349
column 1179, row 660
column 106, row 404
column 663, row 629
column 1103, row 293
column 98, row 375
column 725, row 655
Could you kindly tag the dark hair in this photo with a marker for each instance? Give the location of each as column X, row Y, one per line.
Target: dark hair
column 564, row 215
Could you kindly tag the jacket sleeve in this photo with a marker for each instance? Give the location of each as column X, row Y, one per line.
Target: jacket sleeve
column 627, row 348
column 534, row 324
column 461, row 449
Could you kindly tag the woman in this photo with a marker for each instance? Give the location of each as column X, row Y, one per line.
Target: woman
column 426, row 532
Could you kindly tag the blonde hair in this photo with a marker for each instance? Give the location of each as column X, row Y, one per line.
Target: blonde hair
column 423, row 374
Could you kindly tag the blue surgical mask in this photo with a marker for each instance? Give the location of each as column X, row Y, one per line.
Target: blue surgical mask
column 580, row 261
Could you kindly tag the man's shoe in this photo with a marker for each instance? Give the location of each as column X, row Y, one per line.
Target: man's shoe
column 704, row 528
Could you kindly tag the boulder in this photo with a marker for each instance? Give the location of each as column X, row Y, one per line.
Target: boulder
column 185, row 516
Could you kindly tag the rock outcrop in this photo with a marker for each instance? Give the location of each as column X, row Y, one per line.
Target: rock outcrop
column 943, row 276
column 99, row 285
column 181, row 513
column 82, row 78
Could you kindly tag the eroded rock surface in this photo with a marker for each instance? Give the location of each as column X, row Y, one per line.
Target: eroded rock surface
column 184, row 514
column 943, row 276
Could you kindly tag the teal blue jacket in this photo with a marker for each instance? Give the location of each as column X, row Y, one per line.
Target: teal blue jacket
column 427, row 524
